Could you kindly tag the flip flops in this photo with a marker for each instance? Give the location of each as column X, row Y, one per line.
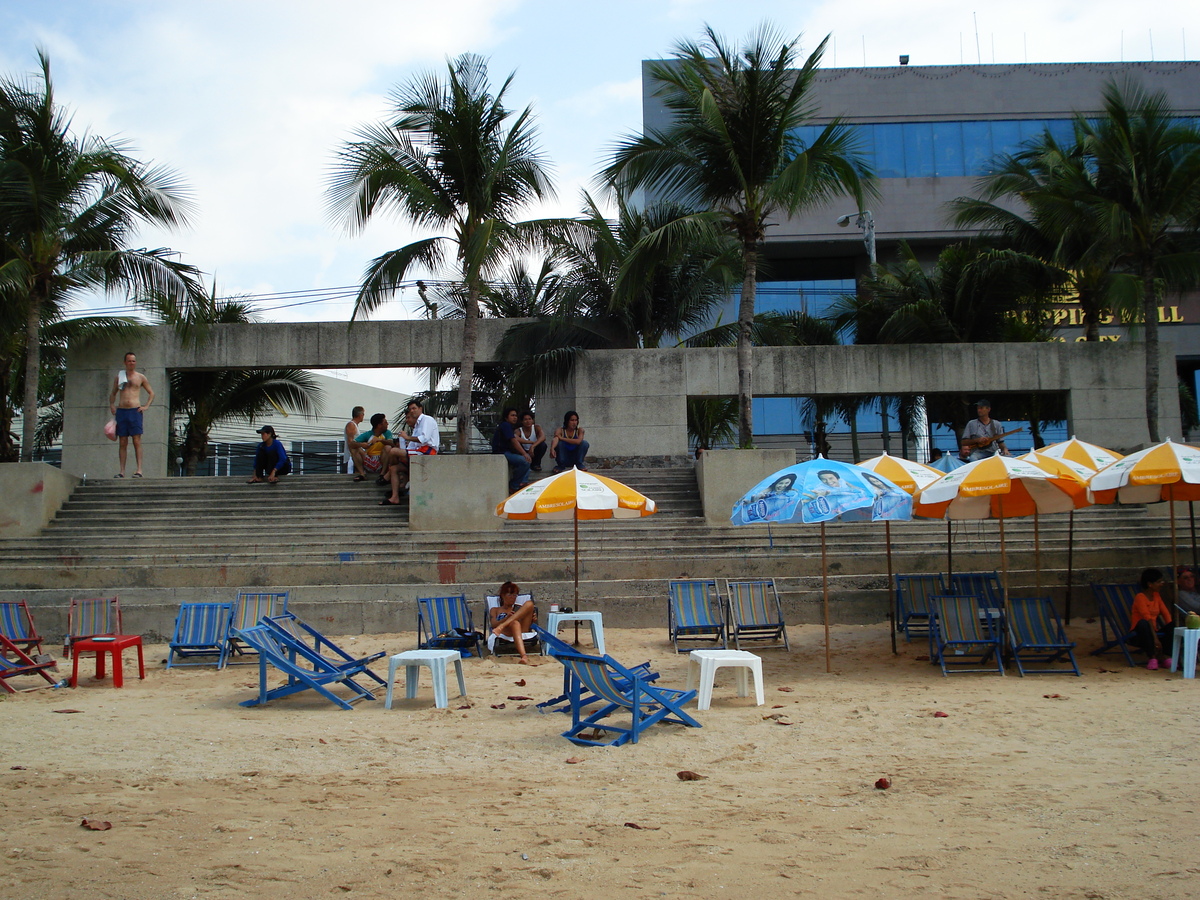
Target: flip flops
column 360, row 477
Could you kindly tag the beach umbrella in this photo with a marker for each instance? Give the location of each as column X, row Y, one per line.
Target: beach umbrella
column 1068, row 469
column 948, row 462
column 1164, row 472
column 819, row 491
column 576, row 495
column 910, row 477
column 999, row 487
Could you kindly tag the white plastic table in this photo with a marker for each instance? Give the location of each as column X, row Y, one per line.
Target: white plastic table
column 436, row 661
column 1185, row 639
column 555, row 619
column 705, row 664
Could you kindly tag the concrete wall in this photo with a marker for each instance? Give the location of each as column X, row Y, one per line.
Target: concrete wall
column 32, row 494
column 724, row 476
column 456, row 493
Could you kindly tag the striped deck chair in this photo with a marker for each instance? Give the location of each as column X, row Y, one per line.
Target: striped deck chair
column 306, row 670
column 984, row 585
column 618, row 688
column 248, row 610
column 1036, row 635
column 755, row 613
column 695, row 613
column 912, row 602
column 500, row 644
column 292, row 625
column 445, row 623
column 555, row 646
column 1114, row 605
column 95, row 617
column 20, row 664
column 201, row 630
column 16, row 624
column 965, row 640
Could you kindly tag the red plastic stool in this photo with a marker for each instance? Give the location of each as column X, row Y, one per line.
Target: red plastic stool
column 102, row 645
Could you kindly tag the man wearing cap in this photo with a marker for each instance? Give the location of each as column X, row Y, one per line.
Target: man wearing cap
column 270, row 459
column 981, row 437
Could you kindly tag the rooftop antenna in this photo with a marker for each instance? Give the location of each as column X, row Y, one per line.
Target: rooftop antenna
column 978, row 55
column 1183, row 34
column 961, row 60
column 1122, row 45
column 993, row 48
column 864, row 40
column 1151, row 32
column 1025, row 41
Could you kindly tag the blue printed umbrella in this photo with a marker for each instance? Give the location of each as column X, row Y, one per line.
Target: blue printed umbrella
column 819, row 491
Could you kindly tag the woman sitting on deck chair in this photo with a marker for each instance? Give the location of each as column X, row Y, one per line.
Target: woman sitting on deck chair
column 509, row 620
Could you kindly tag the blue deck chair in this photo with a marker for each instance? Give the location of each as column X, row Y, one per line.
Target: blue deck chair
column 755, row 613
column 94, row 617
column 497, row 644
column 695, row 613
column 912, row 602
column 292, row 625
column 20, row 664
column 555, row 646
column 306, row 670
column 16, row 624
column 1036, row 635
column 964, row 639
column 248, row 608
column 201, row 630
column 618, row 688
column 1114, row 605
column 984, row 585
column 445, row 623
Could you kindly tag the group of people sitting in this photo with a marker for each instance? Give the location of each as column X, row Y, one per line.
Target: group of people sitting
column 523, row 443
column 383, row 454
column 1151, row 620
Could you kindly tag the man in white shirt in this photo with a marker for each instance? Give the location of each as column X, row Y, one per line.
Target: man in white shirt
column 418, row 437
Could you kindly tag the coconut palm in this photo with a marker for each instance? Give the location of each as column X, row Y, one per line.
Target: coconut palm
column 68, row 209
column 732, row 150
column 453, row 158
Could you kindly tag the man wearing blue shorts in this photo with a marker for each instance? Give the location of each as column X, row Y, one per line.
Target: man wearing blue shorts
column 125, row 403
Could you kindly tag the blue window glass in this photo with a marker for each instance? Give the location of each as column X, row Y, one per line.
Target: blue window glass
column 1006, row 137
column 808, row 134
column 948, row 149
column 977, row 147
column 1063, row 130
column 918, row 149
column 889, row 150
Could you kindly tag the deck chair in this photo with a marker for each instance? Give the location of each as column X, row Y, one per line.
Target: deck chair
column 20, row 664
column 984, row 585
column 248, row 609
column 292, row 625
column 912, row 602
column 445, row 623
column 618, row 688
column 755, row 613
column 500, row 644
column 16, row 624
column 97, row 617
column 695, row 613
column 201, row 630
column 1114, row 604
column 306, row 670
column 965, row 640
column 1036, row 635
column 555, row 646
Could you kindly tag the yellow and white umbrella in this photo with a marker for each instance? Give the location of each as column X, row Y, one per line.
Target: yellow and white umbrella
column 1067, row 467
column 576, row 495
column 1081, row 452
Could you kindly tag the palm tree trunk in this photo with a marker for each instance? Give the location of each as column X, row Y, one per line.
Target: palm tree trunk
column 1150, row 312
column 884, row 427
column 33, row 365
column 854, row 435
column 467, row 367
column 745, row 350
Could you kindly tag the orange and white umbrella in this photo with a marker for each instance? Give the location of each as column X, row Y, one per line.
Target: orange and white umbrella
column 1081, row 452
column 576, row 495
column 1067, row 467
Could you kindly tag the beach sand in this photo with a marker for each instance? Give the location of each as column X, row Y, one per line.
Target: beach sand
column 1053, row 786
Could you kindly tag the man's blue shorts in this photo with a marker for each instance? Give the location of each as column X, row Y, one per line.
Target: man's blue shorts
column 129, row 422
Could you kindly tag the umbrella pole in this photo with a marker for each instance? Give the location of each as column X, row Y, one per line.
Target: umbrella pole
column 825, row 598
column 949, row 552
column 1070, row 560
column 887, row 530
column 1174, row 543
column 576, row 607
column 1003, row 553
column 1192, row 519
column 1037, row 554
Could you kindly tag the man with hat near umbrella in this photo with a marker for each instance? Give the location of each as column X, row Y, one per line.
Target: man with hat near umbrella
column 270, row 459
column 983, row 436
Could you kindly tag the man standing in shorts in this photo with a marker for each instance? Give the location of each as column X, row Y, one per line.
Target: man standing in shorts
column 125, row 403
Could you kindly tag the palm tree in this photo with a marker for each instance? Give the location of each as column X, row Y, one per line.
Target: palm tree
column 453, row 158
column 68, row 208
column 732, row 150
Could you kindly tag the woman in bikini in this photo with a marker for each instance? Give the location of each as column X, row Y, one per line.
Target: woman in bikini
column 511, row 620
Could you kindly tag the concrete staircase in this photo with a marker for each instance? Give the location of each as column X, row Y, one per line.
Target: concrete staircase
column 355, row 566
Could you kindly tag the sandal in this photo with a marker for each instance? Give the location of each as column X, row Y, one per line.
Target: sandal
column 360, row 477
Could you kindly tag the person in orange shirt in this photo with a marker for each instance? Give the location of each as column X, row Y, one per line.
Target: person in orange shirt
column 1150, row 616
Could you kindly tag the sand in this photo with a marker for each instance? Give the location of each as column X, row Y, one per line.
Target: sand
column 1054, row 786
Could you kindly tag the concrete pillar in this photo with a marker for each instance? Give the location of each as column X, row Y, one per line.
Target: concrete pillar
column 724, row 476
column 32, row 494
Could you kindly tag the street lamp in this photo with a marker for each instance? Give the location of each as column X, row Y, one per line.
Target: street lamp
column 866, row 221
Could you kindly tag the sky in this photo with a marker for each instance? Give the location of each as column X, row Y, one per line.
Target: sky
column 249, row 101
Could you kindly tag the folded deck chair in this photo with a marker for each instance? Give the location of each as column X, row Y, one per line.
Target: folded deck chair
column 201, row 630
column 555, row 646
column 499, row 644
column 695, row 613
column 618, row 688
column 1036, row 635
column 755, row 613
column 912, row 603
column 965, row 638
column 96, row 617
column 306, row 670
column 16, row 624
column 292, row 625
column 445, row 623
column 1114, row 605
column 248, row 608
column 21, row 663
column 984, row 585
